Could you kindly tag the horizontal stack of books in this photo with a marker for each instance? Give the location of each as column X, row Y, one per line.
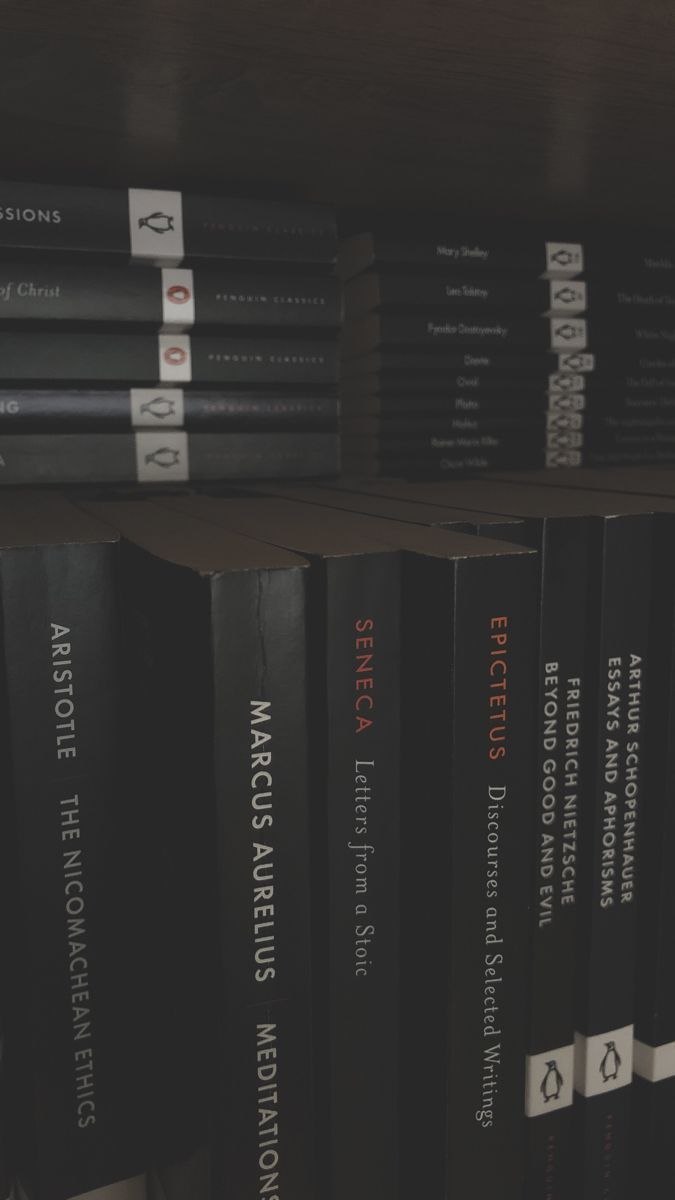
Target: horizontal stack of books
column 360, row 885
column 492, row 353
column 212, row 356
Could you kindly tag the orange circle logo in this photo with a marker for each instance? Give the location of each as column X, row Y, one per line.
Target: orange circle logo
column 179, row 294
column 175, row 355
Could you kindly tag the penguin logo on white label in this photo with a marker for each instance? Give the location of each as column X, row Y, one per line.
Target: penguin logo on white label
column 165, row 457
column 566, row 295
column 159, row 407
column 567, row 332
column 158, row 222
column 552, row 1083
column 611, row 1062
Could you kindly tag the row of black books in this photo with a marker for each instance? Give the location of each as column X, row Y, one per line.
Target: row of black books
column 150, row 336
column 336, row 839
column 495, row 352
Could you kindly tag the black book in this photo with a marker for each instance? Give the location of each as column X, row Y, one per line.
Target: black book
column 441, row 464
column 81, row 410
column 520, row 439
column 354, row 629
column 167, row 457
column 466, row 774
column 65, row 295
column 401, row 363
column 166, row 358
column 227, row 722
column 409, row 428
column 488, row 257
column 557, row 335
column 162, row 226
column 78, row 1020
column 375, row 291
column 654, row 1083
column 584, row 537
column 409, row 383
column 452, row 408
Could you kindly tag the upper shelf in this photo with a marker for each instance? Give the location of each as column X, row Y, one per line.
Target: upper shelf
column 539, row 107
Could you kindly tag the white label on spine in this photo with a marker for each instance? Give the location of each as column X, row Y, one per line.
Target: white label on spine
column 162, row 457
column 564, row 439
column 154, row 408
column 563, row 381
column 566, row 402
column 576, row 362
column 563, row 458
column 178, row 297
column 654, row 1063
column 549, row 1081
column 175, row 358
column 568, row 333
column 603, row 1063
column 567, row 296
column 156, row 225
column 564, row 258
column 564, row 420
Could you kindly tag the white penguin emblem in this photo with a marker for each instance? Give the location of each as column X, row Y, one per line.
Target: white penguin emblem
column 551, row 1084
column 611, row 1062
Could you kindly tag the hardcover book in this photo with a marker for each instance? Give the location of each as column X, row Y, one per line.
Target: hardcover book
column 77, row 1015
column 162, row 226
column 169, row 457
column 465, row 775
column 226, row 726
column 374, row 291
column 67, row 294
column 82, row 410
column 486, row 257
column 354, row 630
column 144, row 359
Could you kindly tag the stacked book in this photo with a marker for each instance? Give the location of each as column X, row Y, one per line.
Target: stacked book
column 212, row 354
column 495, row 352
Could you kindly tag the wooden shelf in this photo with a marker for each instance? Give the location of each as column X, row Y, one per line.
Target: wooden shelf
column 537, row 107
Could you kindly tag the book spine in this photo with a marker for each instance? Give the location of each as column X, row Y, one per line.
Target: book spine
column 164, row 458
column 178, row 297
column 494, row 655
column 555, row 298
column 567, row 546
column 263, row 1135
column 359, row 762
column 391, row 409
column 434, row 428
column 559, row 335
column 654, row 1065
column 82, row 411
column 166, row 358
column 400, row 363
column 162, row 226
column 466, row 383
column 76, row 1029
column 441, row 465
column 607, row 952
column 491, row 258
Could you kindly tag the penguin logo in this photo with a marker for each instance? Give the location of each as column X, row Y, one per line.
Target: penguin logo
column 565, row 383
column 175, row 356
column 566, row 295
column 562, row 257
column 164, row 457
column 159, row 407
column 611, row 1062
column 159, row 222
column 568, row 332
column 178, row 294
column 574, row 362
column 552, row 1083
